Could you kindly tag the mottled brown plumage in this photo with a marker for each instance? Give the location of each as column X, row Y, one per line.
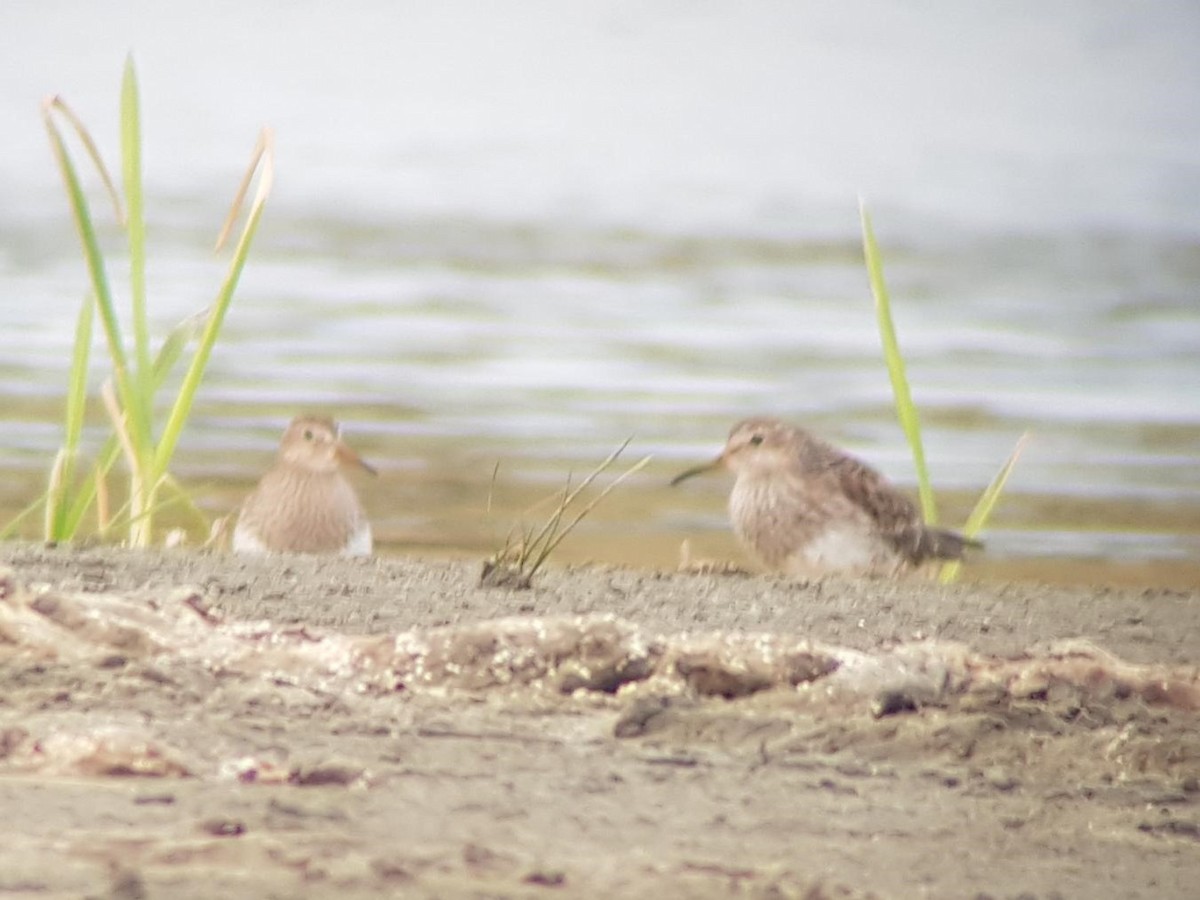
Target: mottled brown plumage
column 304, row 504
column 805, row 507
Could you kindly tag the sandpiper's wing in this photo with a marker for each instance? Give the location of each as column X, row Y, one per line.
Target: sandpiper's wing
column 889, row 509
column 894, row 514
column 896, row 517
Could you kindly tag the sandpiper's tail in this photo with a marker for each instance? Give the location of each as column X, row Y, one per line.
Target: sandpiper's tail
column 939, row 543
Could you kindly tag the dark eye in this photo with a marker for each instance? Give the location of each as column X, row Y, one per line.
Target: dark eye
column 755, row 440
column 308, row 435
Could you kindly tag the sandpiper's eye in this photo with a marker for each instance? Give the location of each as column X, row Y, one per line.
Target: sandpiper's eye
column 755, row 440
column 308, row 435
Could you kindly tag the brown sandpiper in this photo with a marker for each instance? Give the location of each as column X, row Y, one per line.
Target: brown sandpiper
column 804, row 507
column 305, row 504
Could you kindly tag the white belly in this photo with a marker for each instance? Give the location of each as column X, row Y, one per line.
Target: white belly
column 841, row 549
column 361, row 542
column 246, row 542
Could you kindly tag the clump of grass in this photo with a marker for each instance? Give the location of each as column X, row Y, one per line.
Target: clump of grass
column 906, row 409
column 129, row 396
column 527, row 548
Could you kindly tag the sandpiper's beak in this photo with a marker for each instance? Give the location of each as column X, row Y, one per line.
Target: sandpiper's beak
column 699, row 470
column 347, row 455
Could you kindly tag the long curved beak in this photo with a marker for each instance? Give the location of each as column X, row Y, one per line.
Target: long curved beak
column 347, row 455
column 698, row 470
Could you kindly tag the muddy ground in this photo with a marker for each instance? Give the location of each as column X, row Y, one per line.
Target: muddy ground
column 188, row 725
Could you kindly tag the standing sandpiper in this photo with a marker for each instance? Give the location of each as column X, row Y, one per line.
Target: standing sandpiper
column 304, row 504
column 806, row 508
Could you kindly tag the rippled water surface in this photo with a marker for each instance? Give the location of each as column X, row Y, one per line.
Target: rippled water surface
column 522, row 236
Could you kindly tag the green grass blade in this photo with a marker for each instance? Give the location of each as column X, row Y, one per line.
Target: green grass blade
column 183, row 500
column 93, row 257
column 131, row 169
column 984, row 506
column 77, row 384
column 988, row 499
column 143, row 482
column 58, row 513
column 168, row 355
column 172, row 349
column 182, row 407
column 60, row 106
column 16, row 521
column 85, row 496
column 906, row 410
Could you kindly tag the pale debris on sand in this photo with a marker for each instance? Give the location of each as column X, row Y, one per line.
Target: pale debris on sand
column 565, row 655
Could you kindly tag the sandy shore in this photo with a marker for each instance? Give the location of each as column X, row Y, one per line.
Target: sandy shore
column 190, row 725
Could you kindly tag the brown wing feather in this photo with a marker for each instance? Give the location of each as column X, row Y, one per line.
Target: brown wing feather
column 896, row 516
column 871, row 492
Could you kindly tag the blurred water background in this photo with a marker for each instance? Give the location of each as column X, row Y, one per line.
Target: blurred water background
column 522, row 232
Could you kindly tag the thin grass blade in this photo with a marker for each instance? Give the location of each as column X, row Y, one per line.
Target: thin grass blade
column 906, row 410
column 178, row 499
column 173, row 346
column 15, row 523
column 182, row 407
column 549, row 528
column 545, row 535
column 104, row 519
column 93, row 257
column 984, row 506
column 492, row 487
column 168, row 355
column 60, row 106
column 54, row 494
column 262, row 147
column 58, row 503
column 594, row 474
column 77, row 382
column 570, row 495
column 184, row 500
column 86, row 494
column 139, row 493
column 131, row 170
column 583, row 513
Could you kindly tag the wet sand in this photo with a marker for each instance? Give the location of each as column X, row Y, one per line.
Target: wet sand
column 190, row 725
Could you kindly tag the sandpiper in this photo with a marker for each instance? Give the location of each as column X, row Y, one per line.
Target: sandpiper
column 304, row 504
column 804, row 507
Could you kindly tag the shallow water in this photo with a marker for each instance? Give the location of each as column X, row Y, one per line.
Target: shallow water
column 522, row 237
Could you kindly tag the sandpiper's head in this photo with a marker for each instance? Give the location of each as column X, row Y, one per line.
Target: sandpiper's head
column 314, row 443
column 760, row 445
